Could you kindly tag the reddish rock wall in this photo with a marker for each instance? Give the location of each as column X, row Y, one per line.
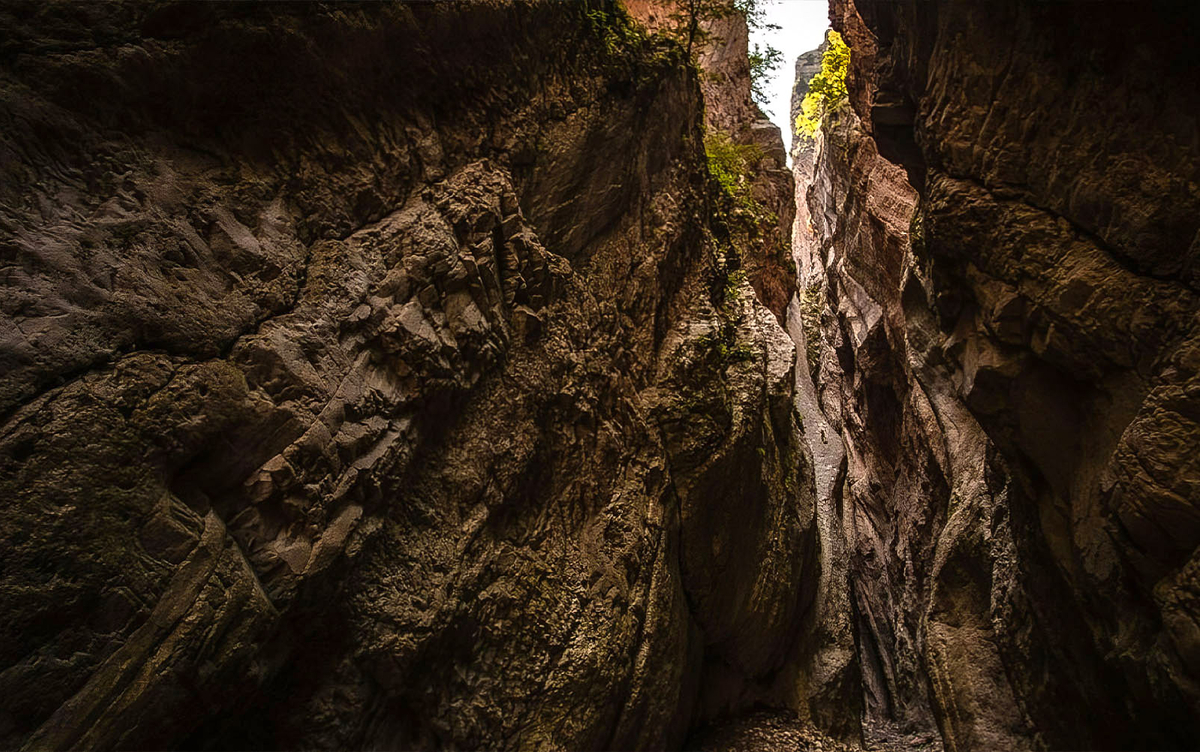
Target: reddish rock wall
column 1006, row 220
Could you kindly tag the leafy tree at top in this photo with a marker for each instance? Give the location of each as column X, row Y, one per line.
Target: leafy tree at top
column 827, row 89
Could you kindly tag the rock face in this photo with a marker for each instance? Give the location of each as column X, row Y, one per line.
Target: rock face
column 1003, row 250
column 834, row 700
column 392, row 376
column 807, row 65
column 730, row 111
column 369, row 379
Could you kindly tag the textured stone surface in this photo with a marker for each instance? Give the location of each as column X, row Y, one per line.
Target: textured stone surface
column 765, row 732
column 383, row 377
column 807, row 65
column 369, row 380
column 1005, row 220
column 730, row 111
column 730, row 108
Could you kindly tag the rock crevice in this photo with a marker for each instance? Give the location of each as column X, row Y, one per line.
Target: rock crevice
column 441, row 376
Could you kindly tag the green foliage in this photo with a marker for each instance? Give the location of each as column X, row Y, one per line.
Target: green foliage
column 730, row 164
column 764, row 61
column 827, row 89
column 616, row 29
column 726, row 346
column 738, row 220
column 686, row 23
column 732, row 283
column 916, row 232
column 754, row 11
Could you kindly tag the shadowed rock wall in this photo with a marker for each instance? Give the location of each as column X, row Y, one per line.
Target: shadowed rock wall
column 722, row 53
column 1005, row 222
column 378, row 376
column 369, row 379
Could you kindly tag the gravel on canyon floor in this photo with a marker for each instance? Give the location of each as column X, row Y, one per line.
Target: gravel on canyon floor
column 773, row 731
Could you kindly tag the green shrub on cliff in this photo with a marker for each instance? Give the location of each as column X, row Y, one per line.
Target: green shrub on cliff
column 730, row 163
column 615, row 28
column 688, row 22
column 827, row 89
column 733, row 168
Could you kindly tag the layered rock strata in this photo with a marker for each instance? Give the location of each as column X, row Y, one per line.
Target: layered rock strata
column 1004, row 232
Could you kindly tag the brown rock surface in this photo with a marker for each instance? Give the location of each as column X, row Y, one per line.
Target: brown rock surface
column 369, row 380
column 730, row 110
column 392, row 376
column 1004, row 225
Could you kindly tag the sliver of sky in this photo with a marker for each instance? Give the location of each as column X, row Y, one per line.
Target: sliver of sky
column 802, row 28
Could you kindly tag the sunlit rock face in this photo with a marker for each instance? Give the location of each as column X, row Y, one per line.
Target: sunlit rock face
column 370, row 380
column 1004, row 237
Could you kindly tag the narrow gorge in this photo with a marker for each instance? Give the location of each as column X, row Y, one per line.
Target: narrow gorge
column 490, row 374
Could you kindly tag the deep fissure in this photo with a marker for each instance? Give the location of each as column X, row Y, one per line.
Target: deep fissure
column 493, row 375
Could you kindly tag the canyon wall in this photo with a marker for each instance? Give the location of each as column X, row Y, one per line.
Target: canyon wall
column 1003, row 247
column 372, row 377
column 722, row 54
column 402, row 376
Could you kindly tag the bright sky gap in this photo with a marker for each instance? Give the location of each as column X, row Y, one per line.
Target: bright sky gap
column 802, row 28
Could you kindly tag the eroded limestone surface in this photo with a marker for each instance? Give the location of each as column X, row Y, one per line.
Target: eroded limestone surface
column 1002, row 241
column 397, row 376
column 371, row 379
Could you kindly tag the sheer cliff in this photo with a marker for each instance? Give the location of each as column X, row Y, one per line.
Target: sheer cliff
column 379, row 376
column 1002, row 245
